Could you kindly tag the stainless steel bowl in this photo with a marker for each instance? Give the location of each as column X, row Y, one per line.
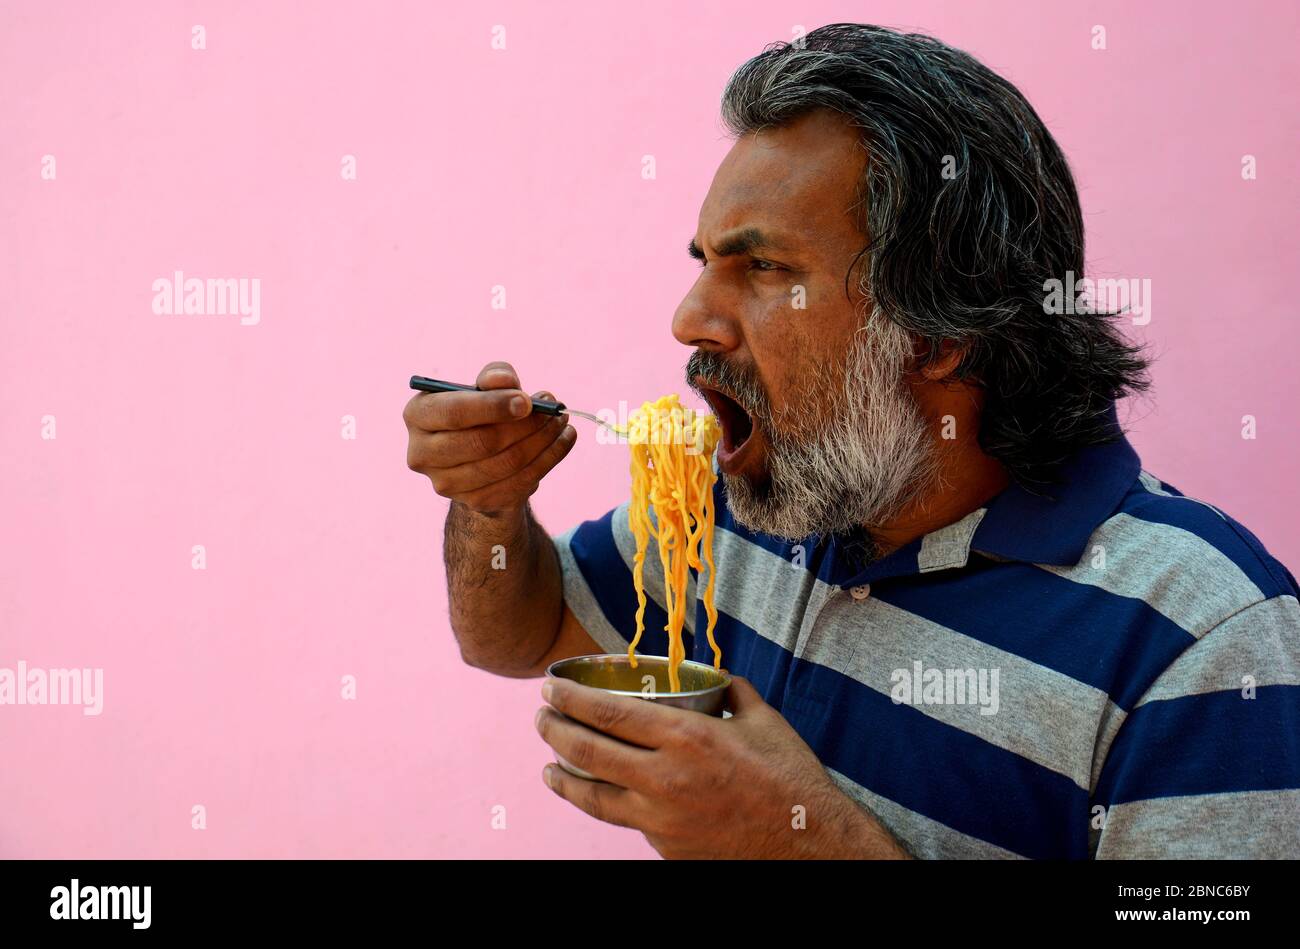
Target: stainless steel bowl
column 704, row 688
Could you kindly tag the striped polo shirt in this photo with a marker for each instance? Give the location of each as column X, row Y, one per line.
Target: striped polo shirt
column 1111, row 671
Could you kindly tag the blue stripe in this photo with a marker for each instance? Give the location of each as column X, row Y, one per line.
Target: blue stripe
column 1206, row 744
column 1117, row 644
column 610, row 582
column 745, row 653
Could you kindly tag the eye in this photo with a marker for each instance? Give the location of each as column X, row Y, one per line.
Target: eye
column 763, row 266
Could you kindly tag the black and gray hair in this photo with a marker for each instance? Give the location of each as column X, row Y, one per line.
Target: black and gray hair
column 960, row 258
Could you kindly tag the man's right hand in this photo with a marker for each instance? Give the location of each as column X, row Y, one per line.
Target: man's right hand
column 486, row 450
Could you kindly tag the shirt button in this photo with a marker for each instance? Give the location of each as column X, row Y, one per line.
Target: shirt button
column 862, row 592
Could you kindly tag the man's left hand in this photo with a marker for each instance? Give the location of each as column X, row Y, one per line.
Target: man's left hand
column 744, row 787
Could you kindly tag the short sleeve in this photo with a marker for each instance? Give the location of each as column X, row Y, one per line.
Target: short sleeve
column 1207, row 764
column 596, row 559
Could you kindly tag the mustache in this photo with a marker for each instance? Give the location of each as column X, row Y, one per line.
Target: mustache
column 741, row 383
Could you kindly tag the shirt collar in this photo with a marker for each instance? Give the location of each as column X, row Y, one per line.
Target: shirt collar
column 1050, row 525
column 1053, row 527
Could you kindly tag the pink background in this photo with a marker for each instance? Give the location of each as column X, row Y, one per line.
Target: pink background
column 476, row 167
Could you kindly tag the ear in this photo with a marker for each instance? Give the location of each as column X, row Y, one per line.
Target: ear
column 948, row 359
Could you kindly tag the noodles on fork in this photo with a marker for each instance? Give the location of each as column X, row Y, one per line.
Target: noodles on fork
column 672, row 448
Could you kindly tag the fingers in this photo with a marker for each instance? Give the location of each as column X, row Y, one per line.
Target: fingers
column 498, row 375
column 597, row 754
column 452, row 411
column 523, row 483
column 479, row 471
column 448, row 449
column 502, row 400
column 638, row 721
column 605, row 802
column 743, row 698
column 486, row 449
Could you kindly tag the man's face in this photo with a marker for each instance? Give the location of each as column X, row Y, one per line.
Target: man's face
column 820, row 431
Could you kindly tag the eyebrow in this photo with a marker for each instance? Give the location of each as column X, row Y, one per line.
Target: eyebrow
column 744, row 241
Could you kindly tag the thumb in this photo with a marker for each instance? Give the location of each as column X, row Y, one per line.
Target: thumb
column 743, row 699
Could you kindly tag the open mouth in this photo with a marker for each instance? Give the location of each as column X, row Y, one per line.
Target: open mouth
column 737, row 427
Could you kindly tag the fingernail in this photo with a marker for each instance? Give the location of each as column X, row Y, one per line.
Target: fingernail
column 547, row 689
column 519, row 406
column 537, row 719
column 548, row 773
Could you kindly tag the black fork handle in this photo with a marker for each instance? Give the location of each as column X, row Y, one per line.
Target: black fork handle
column 425, row 384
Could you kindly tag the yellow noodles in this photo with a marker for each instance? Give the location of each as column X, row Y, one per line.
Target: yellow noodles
column 672, row 448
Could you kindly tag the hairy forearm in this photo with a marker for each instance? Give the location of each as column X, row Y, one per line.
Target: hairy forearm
column 873, row 842
column 504, row 585
column 853, row 833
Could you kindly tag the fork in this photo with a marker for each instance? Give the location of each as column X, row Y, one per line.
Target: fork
column 545, row 407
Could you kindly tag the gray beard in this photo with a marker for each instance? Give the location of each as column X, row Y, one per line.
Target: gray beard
column 860, row 467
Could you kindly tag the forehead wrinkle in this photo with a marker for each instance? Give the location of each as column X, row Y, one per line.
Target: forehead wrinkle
column 805, row 215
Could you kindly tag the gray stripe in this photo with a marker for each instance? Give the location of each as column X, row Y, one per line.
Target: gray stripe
column 1043, row 715
column 924, row 838
column 1172, row 570
column 580, row 601
column 1255, row 825
column 1152, row 484
column 1259, row 641
column 762, row 590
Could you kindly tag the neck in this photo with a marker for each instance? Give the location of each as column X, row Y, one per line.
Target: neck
column 966, row 479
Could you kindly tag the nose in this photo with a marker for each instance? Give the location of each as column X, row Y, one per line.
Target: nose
column 701, row 321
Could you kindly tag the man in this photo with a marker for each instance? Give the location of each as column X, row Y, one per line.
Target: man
column 963, row 621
